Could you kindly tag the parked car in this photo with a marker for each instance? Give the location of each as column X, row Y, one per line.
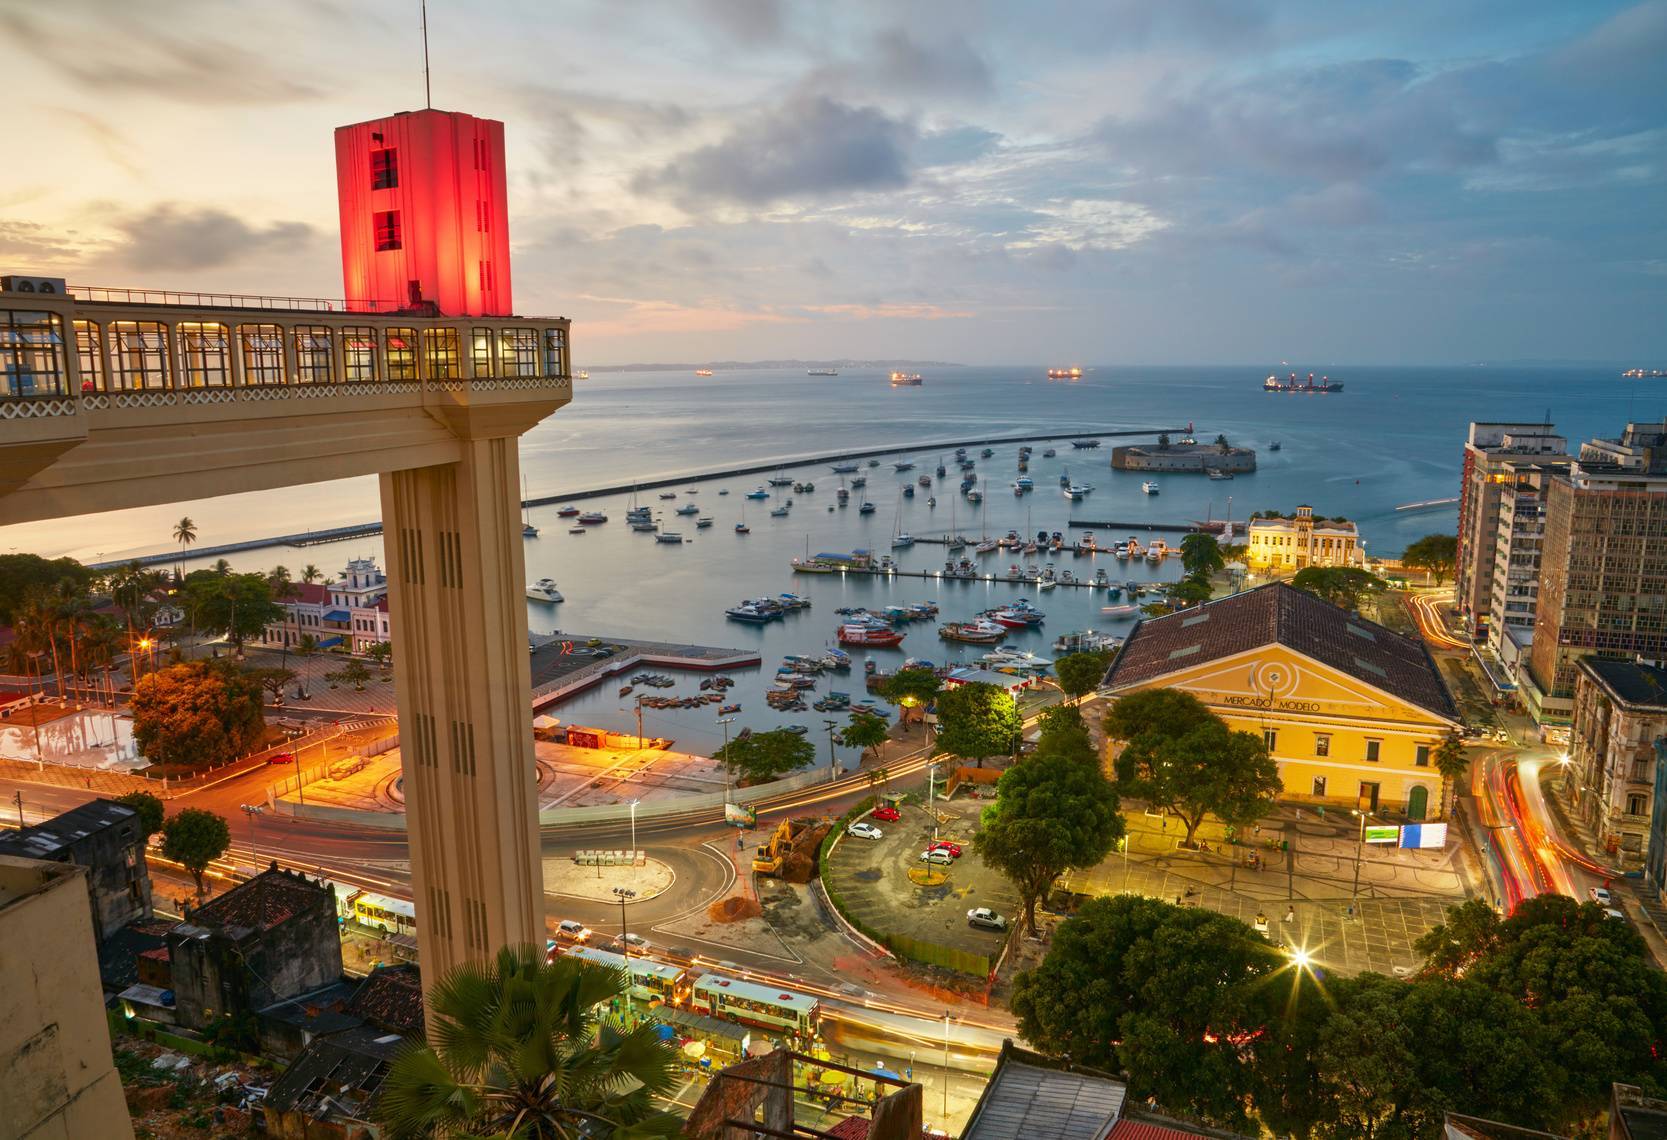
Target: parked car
column 864, row 831
column 887, row 813
column 572, row 931
column 1600, row 895
column 281, row 758
column 984, row 917
column 954, row 849
column 937, row 857
column 1611, row 912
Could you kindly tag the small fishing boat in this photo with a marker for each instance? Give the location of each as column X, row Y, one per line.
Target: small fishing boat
column 625, row 690
column 867, row 508
column 528, row 530
column 670, row 537
column 978, row 632
column 576, row 530
column 591, row 518
column 1218, row 473
column 924, row 480
column 859, row 481
column 567, row 512
column 1274, row 446
column 688, row 509
column 729, row 710
column 864, row 634
column 844, row 468
column 668, row 495
column 903, row 465
column 779, row 513
column 1049, row 453
column 759, row 493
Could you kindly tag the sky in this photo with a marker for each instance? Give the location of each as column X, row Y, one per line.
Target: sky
column 1179, row 181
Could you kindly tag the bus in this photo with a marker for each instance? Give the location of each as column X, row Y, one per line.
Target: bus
column 650, row 980
column 384, row 914
column 768, row 1006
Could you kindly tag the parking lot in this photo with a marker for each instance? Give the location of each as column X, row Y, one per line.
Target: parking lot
column 871, row 877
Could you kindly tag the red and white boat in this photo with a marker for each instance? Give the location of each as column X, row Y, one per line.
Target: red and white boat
column 868, row 635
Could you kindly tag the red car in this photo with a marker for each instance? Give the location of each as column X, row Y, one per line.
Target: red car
column 281, row 758
column 889, row 814
column 954, row 849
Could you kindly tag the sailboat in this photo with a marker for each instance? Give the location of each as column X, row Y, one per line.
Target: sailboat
column 899, row 537
column 742, row 527
column 956, row 542
column 528, row 530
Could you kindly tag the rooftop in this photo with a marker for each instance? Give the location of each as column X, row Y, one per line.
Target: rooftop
column 1629, row 682
column 391, row 998
column 337, row 1075
column 47, row 840
column 269, row 899
column 1298, row 620
column 1030, row 1097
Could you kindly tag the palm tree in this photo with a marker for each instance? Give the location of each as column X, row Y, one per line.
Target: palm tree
column 221, row 568
column 311, row 573
column 521, row 1048
column 185, row 533
column 36, row 625
column 305, row 647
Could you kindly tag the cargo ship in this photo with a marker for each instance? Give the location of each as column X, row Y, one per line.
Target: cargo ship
column 1064, row 374
column 1293, row 384
column 822, row 372
column 905, row 379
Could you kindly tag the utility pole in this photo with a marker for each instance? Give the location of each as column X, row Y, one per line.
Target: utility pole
column 833, row 760
column 639, row 722
column 253, row 810
column 946, row 1065
column 724, row 723
column 624, row 894
column 18, row 797
column 1359, row 849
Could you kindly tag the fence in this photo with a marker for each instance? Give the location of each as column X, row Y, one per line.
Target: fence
column 984, row 776
column 612, row 813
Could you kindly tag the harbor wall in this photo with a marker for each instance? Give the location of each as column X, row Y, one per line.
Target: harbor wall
column 1182, row 460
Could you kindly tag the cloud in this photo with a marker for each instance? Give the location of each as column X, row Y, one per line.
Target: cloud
column 170, row 236
column 955, row 145
column 808, row 146
column 749, row 22
column 897, row 61
column 151, row 50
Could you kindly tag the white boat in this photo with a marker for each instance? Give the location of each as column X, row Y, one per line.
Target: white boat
column 779, row 513
column 688, row 509
column 902, row 539
column 1047, row 584
column 644, row 526
column 1076, row 491
column 528, row 530
column 903, row 465
column 544, row 590
column 703, row 522
column 1150, row 486
column 668, row 536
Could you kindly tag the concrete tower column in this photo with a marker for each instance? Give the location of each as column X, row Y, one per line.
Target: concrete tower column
column 457, row 596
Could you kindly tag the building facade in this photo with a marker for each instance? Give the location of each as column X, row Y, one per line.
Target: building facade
column 1351, row 712
column 1619, row 726
column 106, row 838
column 350, row 612
column 1285, row 545
column 1490, row 451
column 57, row 1073
column 1603, row 566
column 262, row 942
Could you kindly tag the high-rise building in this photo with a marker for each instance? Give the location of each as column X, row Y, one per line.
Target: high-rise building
column 1603, row 565
column 1490, row 453
column 1515, row 589
column 1620, row 713
column 424, row 218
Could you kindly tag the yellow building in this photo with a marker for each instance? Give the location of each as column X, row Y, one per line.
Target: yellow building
column 1286, row 545
column 1352, row 712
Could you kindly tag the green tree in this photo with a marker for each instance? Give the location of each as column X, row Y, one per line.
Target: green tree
column 1450, row 948
column 199, row 714
column 1343, row 586
column 194, row 838
column 1064, row 732
column 1453, row 763
column 149, row 808
column 1190, row 592
column 763, row 756
column 911, row 689
column 1222, row 445
column 977, row 720
column 352, row 672
column 1052, row 813
column 381, row 652
column 234, row 606
column 522, row 1048
column 1080, row 673
column 1163, row 993
column 1163, row 441
column 311, row 573
column 865, row 731
column 306, row 648
column 22, row 575
column 1201, row 556
column 1434, row 554
column 272, row 680
column 1181, row 756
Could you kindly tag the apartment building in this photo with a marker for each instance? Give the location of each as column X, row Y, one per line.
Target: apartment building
column 1493, row 454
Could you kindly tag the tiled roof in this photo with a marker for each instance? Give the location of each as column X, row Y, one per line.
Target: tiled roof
column 391, row 997
column 1296, row 619
column 1143, row 1130
column 1630, row 682
column 119, row 954
column 270, row 898
column 311, row 593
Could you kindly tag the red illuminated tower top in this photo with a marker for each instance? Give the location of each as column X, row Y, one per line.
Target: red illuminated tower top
column 423, row 217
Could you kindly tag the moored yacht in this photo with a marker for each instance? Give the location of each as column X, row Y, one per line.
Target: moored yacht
column 544, row 590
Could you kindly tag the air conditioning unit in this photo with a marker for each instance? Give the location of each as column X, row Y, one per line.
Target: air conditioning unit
column 15, row 283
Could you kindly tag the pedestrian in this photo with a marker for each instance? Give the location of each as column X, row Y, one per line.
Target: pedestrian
column 1349, row 914
column 1290, row 914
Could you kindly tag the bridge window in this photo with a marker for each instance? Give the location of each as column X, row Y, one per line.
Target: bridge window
column 480, row 350
column 315, row 357
column 518, row 350
column 402, row 354
column 359, row 354
column 555, row 352
column 384, row 168
column 138, row 356
column 89, row 354
column 441, row 354
column 32, row 354
column 263, row 354
column 204, row 359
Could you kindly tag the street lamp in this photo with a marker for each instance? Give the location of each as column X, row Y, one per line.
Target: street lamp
column 1360, row 846
column 252, row 810
column 624, row 894
column 634, row 804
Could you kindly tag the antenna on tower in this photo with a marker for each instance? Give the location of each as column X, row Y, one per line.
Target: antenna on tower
column 428, row 94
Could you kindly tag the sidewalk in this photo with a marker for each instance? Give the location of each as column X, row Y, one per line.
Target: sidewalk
column 1645, row 913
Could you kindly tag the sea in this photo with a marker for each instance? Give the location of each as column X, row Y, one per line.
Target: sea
column 1393, row 437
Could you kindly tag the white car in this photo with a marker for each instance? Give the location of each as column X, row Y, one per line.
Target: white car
column 1600, row 895
column 864, row 831
column 637, row 942
column 938, row 856
column 985, row 917
column 1611, row 912
column 572, row 931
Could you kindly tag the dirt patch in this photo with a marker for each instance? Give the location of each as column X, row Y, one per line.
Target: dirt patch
column 734, row 909
column 868, row 875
